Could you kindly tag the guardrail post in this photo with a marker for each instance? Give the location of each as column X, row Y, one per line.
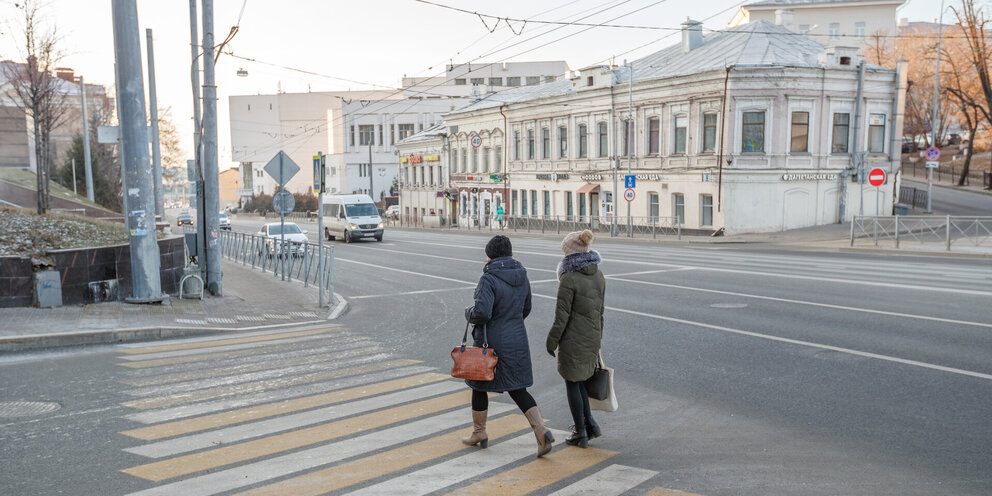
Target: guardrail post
column 876, row 229
column 852, row 229
column 897, row 232
column 947, row 236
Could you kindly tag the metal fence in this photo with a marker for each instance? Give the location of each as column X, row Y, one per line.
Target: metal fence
column 913, row 197
column 963, row 232
column 295, row 260
column 290, row 216
column 641, row 227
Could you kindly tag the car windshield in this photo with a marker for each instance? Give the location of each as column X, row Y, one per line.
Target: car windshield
column 361, row 210
column 223, row 215
column 290, row 229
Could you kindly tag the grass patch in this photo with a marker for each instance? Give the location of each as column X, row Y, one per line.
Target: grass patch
column 27, row 179
column 27, row 234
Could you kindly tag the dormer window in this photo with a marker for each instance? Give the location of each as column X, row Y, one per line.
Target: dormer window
column 589, row 81
column 845, row 61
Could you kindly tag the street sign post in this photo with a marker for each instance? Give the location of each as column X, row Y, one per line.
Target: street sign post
column 933, row 165
column 282, row 169
column 628, row 195
column 283, row 202
column 629, row 181
column 319, row 166
column 318, row 179
column 876, row 177
column 933, row 153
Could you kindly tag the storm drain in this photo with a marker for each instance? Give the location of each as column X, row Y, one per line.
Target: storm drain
column 10, row 409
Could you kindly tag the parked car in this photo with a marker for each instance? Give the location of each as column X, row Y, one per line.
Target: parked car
column 352, row 217
column 272, row 234
column 393, row 212
column 953, row 139
column 184, row 218
column 225, row 221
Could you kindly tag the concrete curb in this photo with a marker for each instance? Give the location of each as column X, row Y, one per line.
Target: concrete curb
column 914, row 253
column 339, row 308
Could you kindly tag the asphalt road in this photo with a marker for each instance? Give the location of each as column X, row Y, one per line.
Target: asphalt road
column 740, row 371
column 950, row 201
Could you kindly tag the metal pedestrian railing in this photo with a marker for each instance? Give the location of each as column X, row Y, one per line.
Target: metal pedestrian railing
column 294, row 260
column 640, row 226
column 963, row 232
column 913, row 197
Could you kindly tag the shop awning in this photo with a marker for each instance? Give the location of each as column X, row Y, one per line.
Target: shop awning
column 588, row 188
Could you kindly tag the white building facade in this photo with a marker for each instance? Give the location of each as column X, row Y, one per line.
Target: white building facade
column 425, row 198
column 747, row 130
column 826, row 21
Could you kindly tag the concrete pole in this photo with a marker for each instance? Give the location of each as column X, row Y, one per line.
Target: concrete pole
column 936, row 102
column 153, row 108
column 74, row 177
column 630, row 139
column 197, row 142
column 146, row 284
column 211, row 195
column 87, row 162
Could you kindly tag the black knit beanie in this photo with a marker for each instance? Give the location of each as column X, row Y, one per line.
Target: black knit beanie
column 498, row 247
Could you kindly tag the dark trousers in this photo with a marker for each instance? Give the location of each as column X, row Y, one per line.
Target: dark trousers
column 578, row 404
column 523, row 399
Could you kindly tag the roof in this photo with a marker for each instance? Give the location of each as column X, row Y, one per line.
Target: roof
column 805, row 3
column 437, row 130
column 757, row 43
column 559, row 87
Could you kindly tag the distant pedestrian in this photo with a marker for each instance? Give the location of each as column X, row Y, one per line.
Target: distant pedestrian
column 499, row 215
column 578, row 328
column 502, row 302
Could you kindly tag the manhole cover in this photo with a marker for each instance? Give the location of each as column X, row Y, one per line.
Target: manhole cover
column 729, row 305
column 26, row 408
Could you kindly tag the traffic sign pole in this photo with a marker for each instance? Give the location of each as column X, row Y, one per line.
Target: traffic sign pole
column 933, row 155
column 320, row 230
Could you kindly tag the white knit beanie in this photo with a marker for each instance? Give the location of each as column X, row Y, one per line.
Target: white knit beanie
column 576, row 242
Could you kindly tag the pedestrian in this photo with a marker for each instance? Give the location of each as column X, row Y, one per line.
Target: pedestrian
column 502, row 302
column 499, row 215
column 578, row 329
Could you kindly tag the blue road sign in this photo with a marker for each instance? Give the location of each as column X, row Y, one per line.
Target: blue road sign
column 629, row 181
column 933, row 153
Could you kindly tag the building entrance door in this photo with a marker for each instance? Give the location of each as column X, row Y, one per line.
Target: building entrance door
column 594, row 210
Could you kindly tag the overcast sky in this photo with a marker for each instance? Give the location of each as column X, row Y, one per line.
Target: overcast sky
column 371, row 41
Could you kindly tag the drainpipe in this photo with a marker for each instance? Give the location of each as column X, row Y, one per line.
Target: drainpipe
column 853, row 149
column 506, row 173
column 723, row 134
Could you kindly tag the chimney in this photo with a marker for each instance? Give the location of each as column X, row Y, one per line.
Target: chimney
column 785, row 18
column 692, row 35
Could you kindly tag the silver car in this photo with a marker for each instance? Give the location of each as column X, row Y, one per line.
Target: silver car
column 272, row 235
column 225, row 221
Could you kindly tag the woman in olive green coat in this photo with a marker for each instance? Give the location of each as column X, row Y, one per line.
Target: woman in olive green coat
column 578, row 328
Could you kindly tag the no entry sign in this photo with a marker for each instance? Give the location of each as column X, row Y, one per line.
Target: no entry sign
column 876, row 177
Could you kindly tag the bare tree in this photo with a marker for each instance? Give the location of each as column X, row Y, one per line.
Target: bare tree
column 38, row 92
column 878, row 49
column 965, row 92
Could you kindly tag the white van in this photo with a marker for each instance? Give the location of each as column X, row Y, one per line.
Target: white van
column 351, row 217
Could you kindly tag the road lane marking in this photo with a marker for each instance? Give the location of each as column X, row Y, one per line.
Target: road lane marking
column 325, row 362
column 211, row 350
column 456, row 470
column 232, row 417
column 381, row 464
column 537, row 474
column 611, row 481
column 407, row 293
column 804, row 302
column 453, row 259
column 808, row 344
column 265, row 427
column 225, row 342
column 298, row 461
column 185, row 411
column 680, row 269
column 270, row 445
column 660, row 491
column 252, row 387
column 251, row 351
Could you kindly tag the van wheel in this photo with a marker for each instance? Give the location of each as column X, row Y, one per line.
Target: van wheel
column 378, row 238
column 347, row 237
column 329, row 237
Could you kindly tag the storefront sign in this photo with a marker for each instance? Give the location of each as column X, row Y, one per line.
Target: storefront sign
column 592, row 177
column 553, row 177
column 649, row 177
column 403, row 160
column 809, row 177
column 416, row 159
column 432, row 158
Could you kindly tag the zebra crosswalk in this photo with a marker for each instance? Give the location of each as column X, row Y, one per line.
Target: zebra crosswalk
column 322, row 410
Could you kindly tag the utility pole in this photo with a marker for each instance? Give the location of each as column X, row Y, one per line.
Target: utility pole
column 856, row 157
column 630, row 138
column 146, row 284
column 936, row 102
column 197, row 142
column 74, row 177
column 153, row 107
column 87, row 163
column 211, row 198
column 371, row 139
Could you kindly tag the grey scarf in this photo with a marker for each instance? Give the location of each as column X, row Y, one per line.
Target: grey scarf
column 577, row 261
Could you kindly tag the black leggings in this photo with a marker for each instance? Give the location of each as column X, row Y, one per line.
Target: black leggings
column 523, row 399
column 578, row 403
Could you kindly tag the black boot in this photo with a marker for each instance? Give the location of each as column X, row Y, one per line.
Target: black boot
column 592, row 429
column 578, row 437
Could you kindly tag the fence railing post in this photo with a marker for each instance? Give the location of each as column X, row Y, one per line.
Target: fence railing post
column 875, row 226
column 947, row 236
column 853, row 219
column 897, row 232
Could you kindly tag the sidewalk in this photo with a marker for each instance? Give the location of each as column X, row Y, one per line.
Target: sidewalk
column 252, row 300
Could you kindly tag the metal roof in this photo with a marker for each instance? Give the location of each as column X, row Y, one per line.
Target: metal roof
column 792, row 3
column 430, row 133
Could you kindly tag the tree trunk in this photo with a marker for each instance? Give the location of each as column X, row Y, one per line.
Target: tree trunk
column 38, row 167
column 967, row 159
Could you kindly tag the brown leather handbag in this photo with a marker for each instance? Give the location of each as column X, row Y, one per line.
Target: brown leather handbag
column 474, row 363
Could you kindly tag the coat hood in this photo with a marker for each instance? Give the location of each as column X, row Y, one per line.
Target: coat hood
column 508, row 270
column 578, row 261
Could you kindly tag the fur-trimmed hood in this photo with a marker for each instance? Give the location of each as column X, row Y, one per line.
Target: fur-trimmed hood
column 577, row 261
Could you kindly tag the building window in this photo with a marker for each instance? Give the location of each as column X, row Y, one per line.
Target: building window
column 365, row 135
column 582, row 206
column 583, row 142
column 589, row 81
column 804, row 28
column 678, row 208
column 876, row 133
column 513, row 81
column 533, row 80
column 476, row 160
column 834, row 31
column 681, row 122
column 513, row 202
column 464, row 159
column 654, row 138
column 550, row 79
column 351, row 136
column 547, row 204
column 753, row 132
column 568, row 205
column 653, row 207
column 498, row 165
column 841, row 131
column 562, row 142
column 460, row 82
column 380, row 135
column 516, row 145
column 859, row 29
column 530, row 144
column 496, row 81
column 625, row 141
column 478, row 81
column 604, row 147
column 800, row 132
column 486, row 165
column 706, row 212
column 545, row 142
column 533, row 203
column 523, row 203
column 709, row 132
column 453, row 161
column 405, row 130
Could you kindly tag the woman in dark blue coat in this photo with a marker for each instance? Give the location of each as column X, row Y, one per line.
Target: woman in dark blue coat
column 502, row 302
